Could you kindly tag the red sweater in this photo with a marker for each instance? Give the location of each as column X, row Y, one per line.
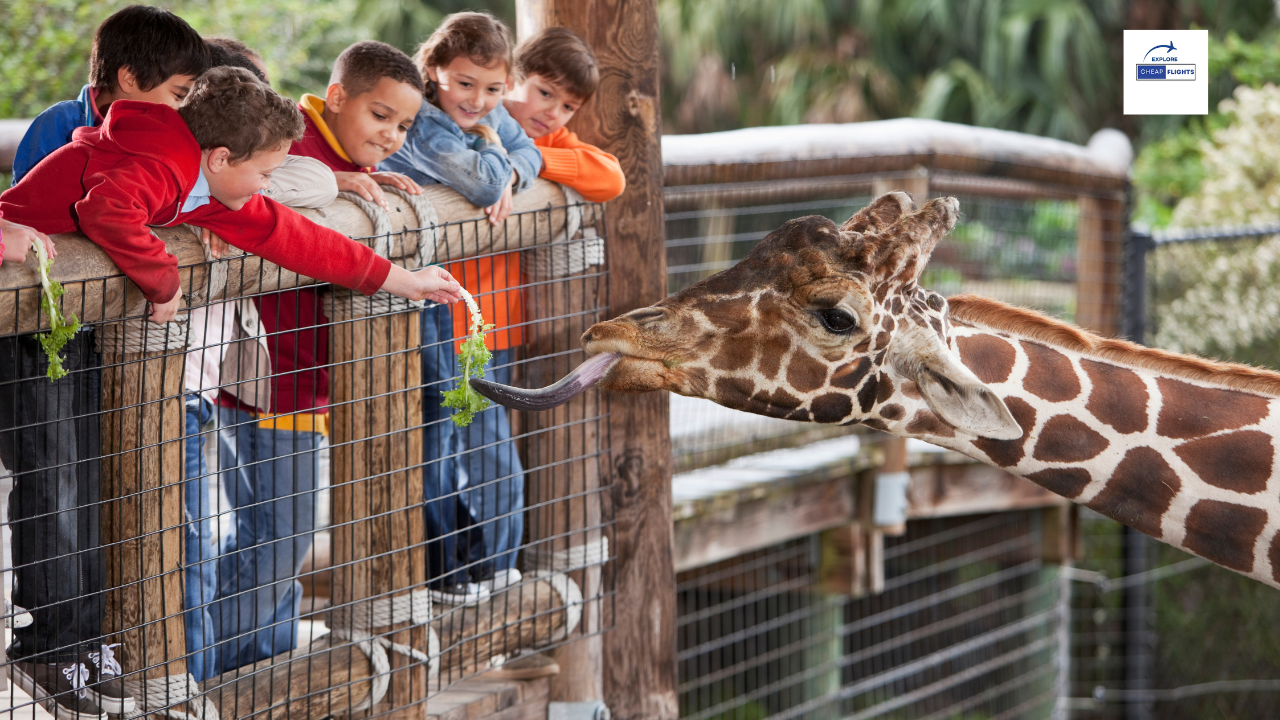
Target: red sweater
column 135, row 170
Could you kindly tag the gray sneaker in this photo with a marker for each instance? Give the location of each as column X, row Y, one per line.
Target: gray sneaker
column 105, row 687
column 61, row 689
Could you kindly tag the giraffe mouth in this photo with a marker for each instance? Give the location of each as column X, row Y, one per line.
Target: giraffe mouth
column 570, row 386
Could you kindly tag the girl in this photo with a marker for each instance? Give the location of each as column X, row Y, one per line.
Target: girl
column 464, row 138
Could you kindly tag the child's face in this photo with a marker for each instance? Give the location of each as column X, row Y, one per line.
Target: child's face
column 372, row 126
column 541, row 106
column 234, row 183
column 171, row 92
column 466, row 91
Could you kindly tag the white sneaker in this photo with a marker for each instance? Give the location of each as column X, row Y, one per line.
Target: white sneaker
column 461, row 594
column 17, row 617
column 502, row 580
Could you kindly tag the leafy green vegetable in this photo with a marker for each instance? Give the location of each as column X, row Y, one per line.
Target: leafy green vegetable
column 472, row 356
column 60, row 329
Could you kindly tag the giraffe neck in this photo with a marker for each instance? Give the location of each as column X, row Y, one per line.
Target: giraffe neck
column 1186, row 460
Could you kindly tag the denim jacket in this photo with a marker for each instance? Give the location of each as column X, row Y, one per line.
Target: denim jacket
column 51, row 130
column 438, row 151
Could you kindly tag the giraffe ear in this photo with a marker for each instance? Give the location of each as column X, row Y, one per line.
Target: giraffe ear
column 883, row 212
column 953, row 392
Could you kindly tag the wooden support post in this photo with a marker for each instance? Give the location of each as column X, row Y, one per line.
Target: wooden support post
column 142, row 515
column 624, row 118
column 1099, row 262
column 377, row 523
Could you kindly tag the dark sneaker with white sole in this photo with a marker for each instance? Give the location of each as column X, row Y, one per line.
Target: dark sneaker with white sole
column 61, row 689
column 105, row 686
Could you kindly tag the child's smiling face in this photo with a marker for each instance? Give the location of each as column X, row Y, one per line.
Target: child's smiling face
column 466, row 91
column 235, row 183
column 541, row 106
column 373, row 125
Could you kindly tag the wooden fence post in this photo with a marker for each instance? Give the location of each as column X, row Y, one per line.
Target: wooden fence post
column 1099, row 228
column 625, row 119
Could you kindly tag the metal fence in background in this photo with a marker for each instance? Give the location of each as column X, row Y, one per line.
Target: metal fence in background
column 339, row 554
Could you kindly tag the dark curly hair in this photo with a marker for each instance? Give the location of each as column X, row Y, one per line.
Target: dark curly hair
column 230, row 108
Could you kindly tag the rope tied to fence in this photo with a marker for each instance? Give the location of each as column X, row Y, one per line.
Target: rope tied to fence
column 553, row 566
column 357, row 621
column 160, row 695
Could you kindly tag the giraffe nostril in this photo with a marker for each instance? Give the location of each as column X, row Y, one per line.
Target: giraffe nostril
column 644, row 315
column 588, row 337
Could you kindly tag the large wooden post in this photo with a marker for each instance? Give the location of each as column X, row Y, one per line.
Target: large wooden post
column 625, row 119
column 377, row 523
column 1099, row 260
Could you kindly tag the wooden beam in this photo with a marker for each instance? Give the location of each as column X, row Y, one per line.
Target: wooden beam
column 625, row 119
column 1099, row 231
column 946, row 490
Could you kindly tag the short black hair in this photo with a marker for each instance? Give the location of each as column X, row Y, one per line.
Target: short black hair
column 359, row 68
column 153, row 43
column 220, row 56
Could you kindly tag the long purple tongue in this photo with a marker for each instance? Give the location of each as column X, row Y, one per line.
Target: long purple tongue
column 571, row 385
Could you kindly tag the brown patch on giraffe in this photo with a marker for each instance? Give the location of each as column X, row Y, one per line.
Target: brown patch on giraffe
column 802, row 415
column 696, row 382
column 867, row 395
column 896, row 306
column 772, row 350
column 1050, row 375
column 990, row 358
column 1067, row 482
column 1188, row 411
column 892, row 411
column 926, row 423
column 884, row 388
column 975, row 311
column 778, row 403
column 1224, row 532
column 734, row 392
column 888, row 324
column 936, row 324
column 876, row 423
column 882, row 340
column 805, row 373
column 935, row 302
column 1274, row 555
column 1140, row 491
column 848, row 376
column 1066, row 439
column 881, row 292
column 734, row 356
column 831, row 407
column 1007, row 453
column 733, row 315
column 1118, row 397
column 911, row 390
column 1239, row 461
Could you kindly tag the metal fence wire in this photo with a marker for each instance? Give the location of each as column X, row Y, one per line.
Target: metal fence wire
column 264, row 510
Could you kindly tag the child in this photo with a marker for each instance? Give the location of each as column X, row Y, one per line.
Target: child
column 464, row 138
column 558, row 75
column 372, row 98
column 50, row 430
column 202, row 165
column 220, row 358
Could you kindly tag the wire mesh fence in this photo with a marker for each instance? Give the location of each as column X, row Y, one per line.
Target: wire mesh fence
column 262, row 509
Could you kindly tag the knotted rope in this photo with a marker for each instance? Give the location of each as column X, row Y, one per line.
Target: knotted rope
column 552, row 566
column 355, row 623
column 160, row 695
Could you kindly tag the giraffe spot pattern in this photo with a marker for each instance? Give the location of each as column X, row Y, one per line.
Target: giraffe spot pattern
column 772, row 350
column 896, row 306
column 1239, row 461
column 831, row 407
column 1007, row 453
column 1140, row 491
column 1049, row 374
column 876, row 424
column 990, row 358
column 1274, row 554
column 1118, row 398
column 805, row 373
column 848, row 376
column 1065, row 439
column 926, row 423
column 1067, row 482
column 1189, row 411
column 882, row 340
column 775, row 404
column 734, row 391
column 801, row 414
column 1224, row 532
column 911, row 390
column 733, row 315
column 884, row 388
column 892, row 411
column 867, row 395
column 696, row 382
column 734, row 356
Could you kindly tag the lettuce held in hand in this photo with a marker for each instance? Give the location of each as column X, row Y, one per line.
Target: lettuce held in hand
column 61, row 329
column 472, row 358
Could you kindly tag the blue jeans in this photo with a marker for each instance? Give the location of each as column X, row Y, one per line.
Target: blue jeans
column 270, row 478
column 473, row 482
column 202, row 549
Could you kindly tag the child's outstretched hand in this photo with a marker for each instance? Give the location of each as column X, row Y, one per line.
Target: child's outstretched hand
column 17, row 241
column 430, row 283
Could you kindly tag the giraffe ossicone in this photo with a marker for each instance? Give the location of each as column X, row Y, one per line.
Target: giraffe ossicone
column 826, row 323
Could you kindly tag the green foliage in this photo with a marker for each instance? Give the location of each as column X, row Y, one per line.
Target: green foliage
column 472, row 357
column 61, row 329
column 406, row 23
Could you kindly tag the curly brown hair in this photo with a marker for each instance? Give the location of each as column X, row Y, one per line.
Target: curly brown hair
column 561, row 57
column 228, row 107
column 478, row 36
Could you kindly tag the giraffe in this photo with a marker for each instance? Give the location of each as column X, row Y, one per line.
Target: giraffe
column 826, row 323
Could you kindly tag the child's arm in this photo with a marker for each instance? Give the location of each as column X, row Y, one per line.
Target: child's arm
column 302, row 182
column 584, row 167
column 16, row 240
column 478, row 175
column 523, row 154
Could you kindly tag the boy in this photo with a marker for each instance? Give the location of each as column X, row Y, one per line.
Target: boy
column 371, row 100
column 203, row 165
column 139, row 53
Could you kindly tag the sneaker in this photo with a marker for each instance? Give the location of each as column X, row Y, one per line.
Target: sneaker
column 105, row 687
column 460, row 594
column 501, row 580
column 62, row 689
column 17, row 617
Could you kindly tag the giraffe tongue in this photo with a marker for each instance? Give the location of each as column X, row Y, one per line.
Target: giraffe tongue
column 571, row 385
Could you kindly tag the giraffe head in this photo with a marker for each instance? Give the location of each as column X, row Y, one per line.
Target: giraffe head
column 820, row 322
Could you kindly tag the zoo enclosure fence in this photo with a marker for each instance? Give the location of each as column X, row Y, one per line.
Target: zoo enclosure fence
column 315, row 583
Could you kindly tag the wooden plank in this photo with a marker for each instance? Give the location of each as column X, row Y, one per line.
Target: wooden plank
column 788, row 511
column 1099, row 231
column 946, row 490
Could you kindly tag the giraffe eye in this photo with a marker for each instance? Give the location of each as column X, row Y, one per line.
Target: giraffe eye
column 837, row 321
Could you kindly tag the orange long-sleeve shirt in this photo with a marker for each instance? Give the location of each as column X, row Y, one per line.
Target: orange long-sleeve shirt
column 567, row 160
